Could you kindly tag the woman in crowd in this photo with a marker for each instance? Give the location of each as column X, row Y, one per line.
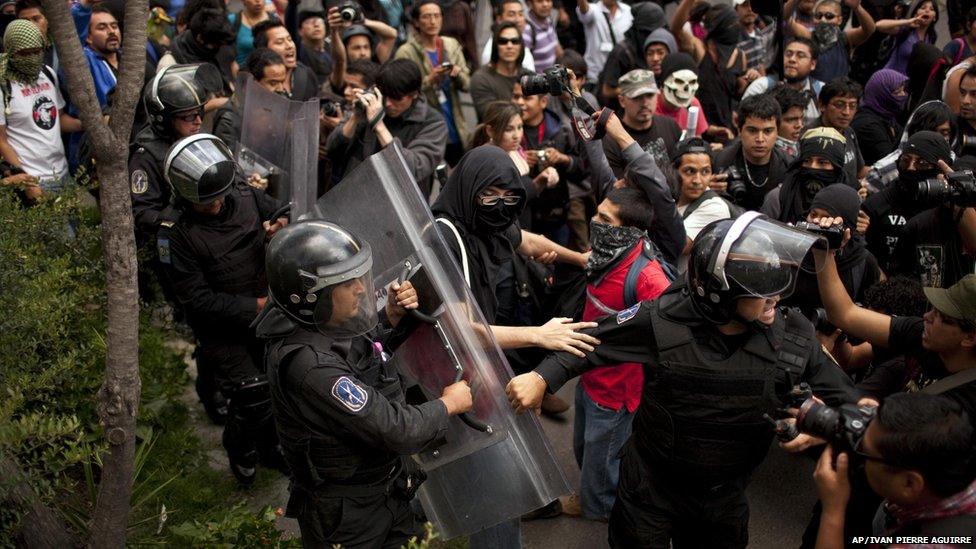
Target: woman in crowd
column 876, row 122
column 494, row 81
column 919, row 26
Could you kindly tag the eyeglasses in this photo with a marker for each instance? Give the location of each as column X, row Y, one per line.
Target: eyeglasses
column 493, row 199
column 190, row 116
column 906, row 162
column 825, row 15
column 503, row 41
column 844, row 105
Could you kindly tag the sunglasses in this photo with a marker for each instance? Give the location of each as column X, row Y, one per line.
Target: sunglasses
column 190, row 116
column 825, row 15
column 493, row 199
column 503, row 41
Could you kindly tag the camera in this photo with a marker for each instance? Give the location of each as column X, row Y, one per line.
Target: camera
column 351, row 12
column 967, row 145
column 958, row 189
column 331, row 109
column 554, row 81
column 447, row 66
column 842, row 426
column 834, row 234
column 541, row 156
column 736, row 184
column 820, row 322
column 358, row 105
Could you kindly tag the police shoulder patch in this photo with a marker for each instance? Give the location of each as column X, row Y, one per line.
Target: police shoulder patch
column 139, row 182
column 627, row 314
column 351, row 396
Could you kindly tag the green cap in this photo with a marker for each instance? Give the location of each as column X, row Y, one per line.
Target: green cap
column 958, row 301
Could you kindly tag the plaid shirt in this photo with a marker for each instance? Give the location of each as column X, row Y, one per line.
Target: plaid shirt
column 759, row 49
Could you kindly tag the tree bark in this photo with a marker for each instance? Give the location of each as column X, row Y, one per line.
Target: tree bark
column 119, row 395
column 40, row 526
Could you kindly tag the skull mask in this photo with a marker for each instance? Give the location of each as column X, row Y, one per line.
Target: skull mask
column 680, row 87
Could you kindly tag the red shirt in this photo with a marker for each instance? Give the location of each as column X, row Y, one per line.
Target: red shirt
column 680, row 115
column 617, row 385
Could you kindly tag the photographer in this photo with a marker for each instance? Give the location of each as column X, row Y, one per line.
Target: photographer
column 918, row 455
column 890, row 209
column 393, row 110
column 941, row 343
column 754, row 165
column 444, row 72
column 549, row 142
column 655, row 133
column 934, row 116
column 937, row 246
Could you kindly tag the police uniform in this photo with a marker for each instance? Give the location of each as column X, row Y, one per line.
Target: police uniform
column 338, row 401
column 151, row 194
column 699, row 432
column 344, row 425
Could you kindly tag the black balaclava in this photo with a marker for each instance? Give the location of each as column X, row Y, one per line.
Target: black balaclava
column 648, row 17
column 802, row 184
column 929, row 146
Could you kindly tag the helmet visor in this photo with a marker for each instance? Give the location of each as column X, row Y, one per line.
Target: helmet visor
column 765, row 260
column 347, row 309
column 188, row 86
column 201, row 170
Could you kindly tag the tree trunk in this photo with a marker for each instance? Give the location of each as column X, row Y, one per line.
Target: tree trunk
column 119, row 395
column 40, row 526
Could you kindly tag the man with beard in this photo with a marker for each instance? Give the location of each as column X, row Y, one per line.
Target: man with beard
column 300, row 84
column 799, row 60
column 890, row 209
column 753, row 164
column 656, row 134
column 102, row 51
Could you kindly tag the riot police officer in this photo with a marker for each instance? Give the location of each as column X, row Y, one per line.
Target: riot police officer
column 338, row 401
column 717, row 353
column 214, row 254
column 174, row 101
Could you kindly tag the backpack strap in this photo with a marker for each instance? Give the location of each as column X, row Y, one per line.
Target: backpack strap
column 50, row 74
column 633, row 273
column 962, row 47
column 698, row 202
column 464, row 254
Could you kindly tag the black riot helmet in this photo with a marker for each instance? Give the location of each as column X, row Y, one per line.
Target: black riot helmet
column 320, row 275
column 200, row 168
column 750, row 256
column 180, row 88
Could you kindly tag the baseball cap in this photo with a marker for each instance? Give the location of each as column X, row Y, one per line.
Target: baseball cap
column 636, row 83
column 958, row 301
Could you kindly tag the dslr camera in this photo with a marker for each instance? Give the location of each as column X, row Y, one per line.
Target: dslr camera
column 958, row 189
column 331, row 109
column 351, row 11
column 843, row 427
column 554, row 81
column 736, row 184
column 967, row 145
column 834, row 234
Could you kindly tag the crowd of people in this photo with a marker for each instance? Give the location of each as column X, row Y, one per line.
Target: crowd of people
column 731, row 205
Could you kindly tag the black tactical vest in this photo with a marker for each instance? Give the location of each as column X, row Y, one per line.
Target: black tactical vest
column 319, row 457
column 704, row 417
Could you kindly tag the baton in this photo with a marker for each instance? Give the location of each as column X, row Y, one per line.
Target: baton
column 469, row 419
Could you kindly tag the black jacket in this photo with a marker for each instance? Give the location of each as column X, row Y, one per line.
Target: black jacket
column 732, row 154
column 876, row 136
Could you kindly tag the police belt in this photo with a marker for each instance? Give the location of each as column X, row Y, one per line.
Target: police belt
column 358, row 485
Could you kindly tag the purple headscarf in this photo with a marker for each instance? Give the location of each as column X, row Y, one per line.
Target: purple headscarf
column 879, row 94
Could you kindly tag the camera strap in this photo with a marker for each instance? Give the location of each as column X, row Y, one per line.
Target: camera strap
column 949, row 383
column 585, row 128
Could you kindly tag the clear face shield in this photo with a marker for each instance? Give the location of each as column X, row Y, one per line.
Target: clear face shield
column 763, row 257
column 187, row 81
column 201, row 168
column 345, row 299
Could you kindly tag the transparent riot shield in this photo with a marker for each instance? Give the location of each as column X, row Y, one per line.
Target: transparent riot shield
column 279, row 141
column 492, row 465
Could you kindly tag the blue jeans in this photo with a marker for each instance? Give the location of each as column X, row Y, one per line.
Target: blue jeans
column 598, row 435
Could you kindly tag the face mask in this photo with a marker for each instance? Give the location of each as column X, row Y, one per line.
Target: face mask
column 815, row 180
column 28, row 68
column 680, row 87
column 609, row 243
column 494, row 219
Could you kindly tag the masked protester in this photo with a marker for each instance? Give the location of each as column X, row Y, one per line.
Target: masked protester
column 892, row 208
column 834, row 42
column 876, row 122
column 858, row 268
column 32, row 117
column 819, row 164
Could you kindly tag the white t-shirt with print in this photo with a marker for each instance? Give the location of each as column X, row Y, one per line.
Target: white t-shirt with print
column 34, row 126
